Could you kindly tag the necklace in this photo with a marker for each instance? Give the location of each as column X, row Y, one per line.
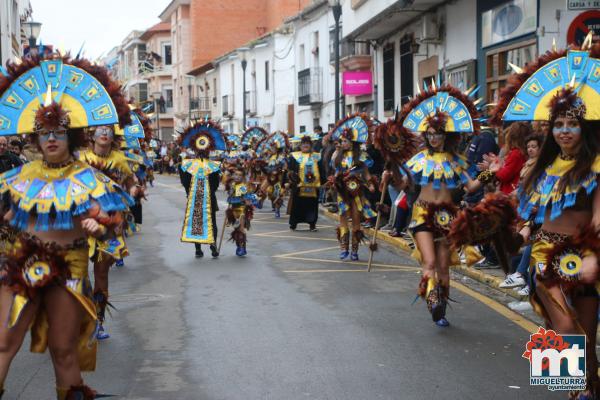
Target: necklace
column 58, row 165
column 566, row 157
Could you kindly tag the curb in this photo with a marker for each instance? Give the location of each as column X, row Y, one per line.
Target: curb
column 402, row 245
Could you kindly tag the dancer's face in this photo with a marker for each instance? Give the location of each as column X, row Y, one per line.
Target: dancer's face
column 104, row 135
column 238, row 176
column 436, row 139
column 305, row 147
column 54, row 145
column 346, row 144
column 567, row 133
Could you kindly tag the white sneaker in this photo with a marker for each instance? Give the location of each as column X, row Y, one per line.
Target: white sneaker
column 513, row 280
column 524, row 291
column 520, row 306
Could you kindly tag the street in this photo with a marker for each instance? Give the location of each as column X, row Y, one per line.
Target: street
column 289, row 321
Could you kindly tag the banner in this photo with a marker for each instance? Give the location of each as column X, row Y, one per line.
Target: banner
column 357, row 83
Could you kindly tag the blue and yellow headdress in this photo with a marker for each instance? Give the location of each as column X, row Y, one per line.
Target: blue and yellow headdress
column 279, row 140
column 253, row 136
column 310, row 137
column 356, row 128
column 557, row 82
column 204, row 136
column 85, row 91
column 233, row 142
column 444, row 108
column 134, row 129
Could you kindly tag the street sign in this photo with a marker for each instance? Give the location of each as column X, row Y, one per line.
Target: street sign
column 583, row 4
column 582, row 24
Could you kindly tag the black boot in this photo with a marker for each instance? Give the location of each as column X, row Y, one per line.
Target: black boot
column 199, row 253
column 213, row 251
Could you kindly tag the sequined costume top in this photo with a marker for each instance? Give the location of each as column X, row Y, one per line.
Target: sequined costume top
column 438, row 168
column 546, row 196
column 39, row 191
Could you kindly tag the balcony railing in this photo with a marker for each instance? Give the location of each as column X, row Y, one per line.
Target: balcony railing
column 350, row 49
column 250, row 102
column 310, row 86
column 200, row 104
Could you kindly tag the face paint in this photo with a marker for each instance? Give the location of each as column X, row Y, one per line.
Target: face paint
column 59, row 134
column 574, row 130
column 103, row 131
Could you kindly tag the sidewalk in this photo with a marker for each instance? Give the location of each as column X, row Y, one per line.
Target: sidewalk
column 492, row 278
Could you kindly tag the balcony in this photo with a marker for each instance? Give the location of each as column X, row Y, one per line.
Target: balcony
column 200, row 107
column 354, row 56
column 310, row 87
column 250, row 97
column 150, row 68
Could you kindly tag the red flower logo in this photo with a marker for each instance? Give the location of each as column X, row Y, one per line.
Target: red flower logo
column 545, row 339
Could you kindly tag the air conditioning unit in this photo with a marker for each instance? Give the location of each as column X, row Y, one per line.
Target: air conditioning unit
column 430, row 29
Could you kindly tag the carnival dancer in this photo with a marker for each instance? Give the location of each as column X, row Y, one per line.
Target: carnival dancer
column 200, row 177
column 560, row 192
column 56, row 203
column 272, row 186
column 305, row 178
column 441, row 115
column 240, row 211
column 351, row 179
column 106, row 156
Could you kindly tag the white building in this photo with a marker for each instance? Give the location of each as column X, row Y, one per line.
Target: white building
column 12, row 14
column 270, row 85
column 314, row 103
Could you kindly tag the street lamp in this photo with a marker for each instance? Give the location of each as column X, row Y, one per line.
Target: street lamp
column 32, row 32
column 156, row 96
column 242, row 52
column 190, row 79
column 336, row 7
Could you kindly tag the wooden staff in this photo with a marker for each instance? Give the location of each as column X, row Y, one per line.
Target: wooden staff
column 222, row 232
column 373, row 244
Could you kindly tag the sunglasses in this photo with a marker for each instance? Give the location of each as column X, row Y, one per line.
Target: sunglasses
column 57, row 134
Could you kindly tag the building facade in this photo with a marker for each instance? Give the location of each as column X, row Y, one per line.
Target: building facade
column 12, row 38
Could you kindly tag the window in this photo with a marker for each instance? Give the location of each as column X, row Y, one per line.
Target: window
column 406, row 70
column 267, row 76
column 167, row 55
column 388, row 78
column 142, row 92
column 497, row 68
column 141, row 52
column 315, row 49
column 169, row 98
column 302, row 128
column 301, row 56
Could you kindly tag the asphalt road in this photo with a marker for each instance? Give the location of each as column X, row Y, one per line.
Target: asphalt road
column 289, row 321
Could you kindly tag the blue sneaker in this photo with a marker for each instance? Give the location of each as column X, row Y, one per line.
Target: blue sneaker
column 277, row 214
column 120, row 263
column 354, row 256
column 243, row 252
column 344, row 254
column 442, row 322
column 101, row 334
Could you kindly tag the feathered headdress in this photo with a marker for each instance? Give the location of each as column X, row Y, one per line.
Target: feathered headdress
column 204, row 136
column 279, row 140
column 557, row 83
column 395, row 142
column 443, row 108
column 356, row 128
column 139, row 128
column 253, row 136
column 83, row 91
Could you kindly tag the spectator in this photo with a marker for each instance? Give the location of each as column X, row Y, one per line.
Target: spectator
column 318, row 146
column 16, row 147
column 162, row 105
column 8, row 160
column 514, row 149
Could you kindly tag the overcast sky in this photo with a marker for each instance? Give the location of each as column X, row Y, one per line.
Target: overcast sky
column 101, row 24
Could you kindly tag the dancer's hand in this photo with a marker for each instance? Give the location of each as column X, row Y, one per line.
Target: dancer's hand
column 91, row 227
